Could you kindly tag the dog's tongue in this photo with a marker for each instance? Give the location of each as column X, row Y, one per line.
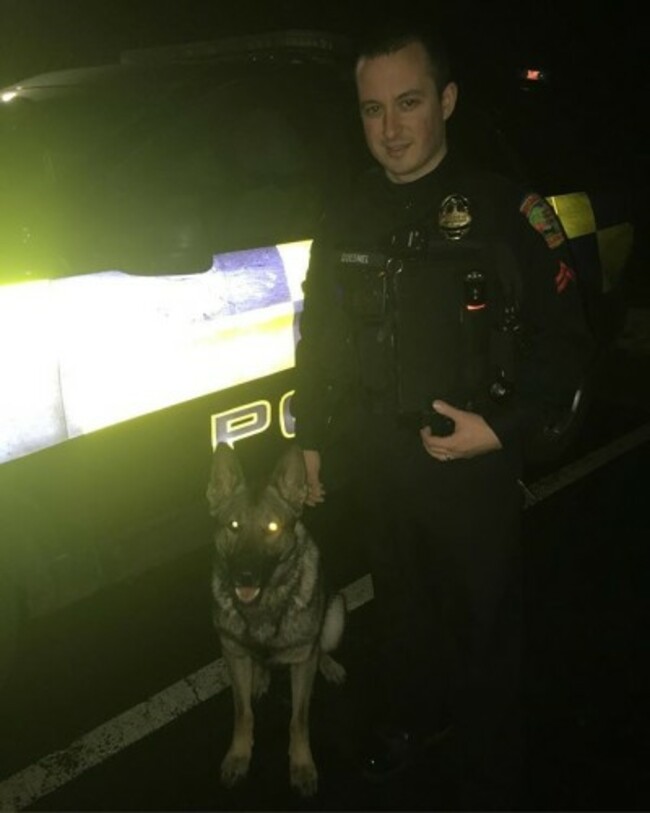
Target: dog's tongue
column 247, row 594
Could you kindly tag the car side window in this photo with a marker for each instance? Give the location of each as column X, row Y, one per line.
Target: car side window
column 257, row 157
column 272, row 190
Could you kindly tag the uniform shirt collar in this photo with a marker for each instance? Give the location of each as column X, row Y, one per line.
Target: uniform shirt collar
column 418, row 194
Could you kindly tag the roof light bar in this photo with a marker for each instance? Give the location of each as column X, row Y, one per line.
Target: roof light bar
column 320, row 43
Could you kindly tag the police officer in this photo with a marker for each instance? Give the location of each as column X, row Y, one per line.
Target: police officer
column 441, row 321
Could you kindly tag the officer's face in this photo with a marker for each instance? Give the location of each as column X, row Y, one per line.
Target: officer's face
column 403, row 113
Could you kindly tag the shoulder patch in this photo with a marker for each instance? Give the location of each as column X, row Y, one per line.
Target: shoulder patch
column 543, row 219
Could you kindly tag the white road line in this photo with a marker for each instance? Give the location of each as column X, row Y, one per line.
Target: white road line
column 55, row 770
column 567, row 475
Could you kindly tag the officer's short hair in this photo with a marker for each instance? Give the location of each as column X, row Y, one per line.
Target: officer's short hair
column 393, row 35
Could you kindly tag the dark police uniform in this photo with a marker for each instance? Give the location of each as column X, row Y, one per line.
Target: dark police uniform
column 457, row 286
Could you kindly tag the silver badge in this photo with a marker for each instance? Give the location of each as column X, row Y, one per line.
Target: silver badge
column 454, row 217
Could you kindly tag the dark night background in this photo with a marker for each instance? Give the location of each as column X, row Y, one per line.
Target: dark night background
column 596, row 50
column 589, row 40
column 595, row 53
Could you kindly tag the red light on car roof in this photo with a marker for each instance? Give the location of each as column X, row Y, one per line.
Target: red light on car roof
column 533, row 74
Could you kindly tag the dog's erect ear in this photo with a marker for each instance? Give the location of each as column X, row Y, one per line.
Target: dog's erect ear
column 226, row 478
column 290, row 478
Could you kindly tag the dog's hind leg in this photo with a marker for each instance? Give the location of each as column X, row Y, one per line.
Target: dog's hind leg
column 304, row 776
column 236, row 762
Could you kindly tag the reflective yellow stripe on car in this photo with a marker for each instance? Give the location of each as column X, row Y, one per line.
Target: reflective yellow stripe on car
column 613, row 241
column 575, row 212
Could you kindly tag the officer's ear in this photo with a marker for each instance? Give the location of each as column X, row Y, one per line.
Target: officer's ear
column 448, row 99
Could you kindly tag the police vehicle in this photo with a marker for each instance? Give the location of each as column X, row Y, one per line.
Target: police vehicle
column 156, row 223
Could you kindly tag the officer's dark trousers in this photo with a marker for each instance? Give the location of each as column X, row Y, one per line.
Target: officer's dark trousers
column 443, row 546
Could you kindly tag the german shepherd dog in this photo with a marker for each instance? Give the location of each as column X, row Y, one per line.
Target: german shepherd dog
column 270, row 605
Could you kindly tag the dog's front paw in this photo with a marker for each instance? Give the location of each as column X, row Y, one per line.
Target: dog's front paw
column 234, row 768
column 304, row 778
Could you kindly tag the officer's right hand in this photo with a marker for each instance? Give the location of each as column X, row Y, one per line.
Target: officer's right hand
column 315, row 490
column 472, row 435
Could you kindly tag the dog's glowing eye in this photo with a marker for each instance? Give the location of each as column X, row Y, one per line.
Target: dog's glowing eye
column 233, row 525
column 272, row 527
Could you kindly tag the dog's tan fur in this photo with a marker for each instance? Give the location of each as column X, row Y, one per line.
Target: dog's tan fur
column 270, row 605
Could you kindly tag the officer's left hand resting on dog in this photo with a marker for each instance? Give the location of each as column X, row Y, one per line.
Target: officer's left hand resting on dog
column 472, row 436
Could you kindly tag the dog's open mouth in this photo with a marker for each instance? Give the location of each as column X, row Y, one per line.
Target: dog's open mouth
column 247, row 594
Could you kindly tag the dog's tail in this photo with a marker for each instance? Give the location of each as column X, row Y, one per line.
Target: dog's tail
column 333, row 623
column 330, row 638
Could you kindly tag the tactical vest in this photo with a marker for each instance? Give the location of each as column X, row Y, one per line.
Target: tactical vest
column 433, row 317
